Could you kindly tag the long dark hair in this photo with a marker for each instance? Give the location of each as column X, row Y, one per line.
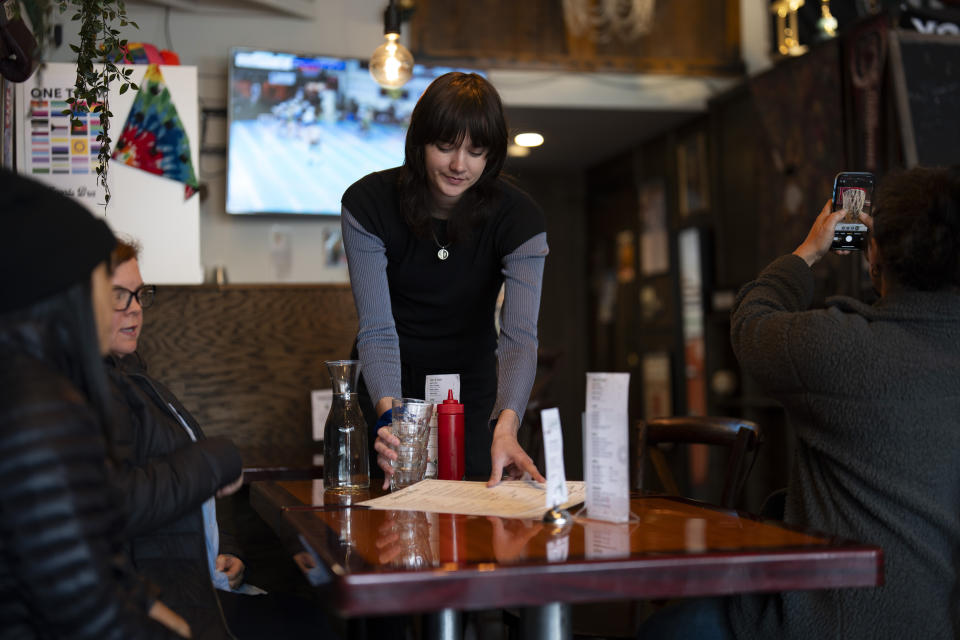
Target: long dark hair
column 454, row 105
column 62, row 331
column 917, row 228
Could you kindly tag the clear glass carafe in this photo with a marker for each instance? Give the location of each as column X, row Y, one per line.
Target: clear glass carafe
column 346, row 468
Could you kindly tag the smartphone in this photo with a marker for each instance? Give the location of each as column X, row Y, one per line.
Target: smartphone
column 853, row 191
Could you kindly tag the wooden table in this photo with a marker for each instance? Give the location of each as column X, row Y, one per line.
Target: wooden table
column 385, row 562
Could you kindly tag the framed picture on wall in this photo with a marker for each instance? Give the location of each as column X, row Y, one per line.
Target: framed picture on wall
column 654, row 234
column 6, row 124
column 626, row 256
column 657, row 397
column 693, row 179
column 692, row 315
column 656, row 303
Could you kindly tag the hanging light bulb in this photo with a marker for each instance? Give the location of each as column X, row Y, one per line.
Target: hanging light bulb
column 391, row 64
column 827, row 24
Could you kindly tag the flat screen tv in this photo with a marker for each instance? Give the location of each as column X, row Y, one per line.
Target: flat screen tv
column 303, row 128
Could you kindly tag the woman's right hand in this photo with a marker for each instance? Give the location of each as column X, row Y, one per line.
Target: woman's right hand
column 384, row 446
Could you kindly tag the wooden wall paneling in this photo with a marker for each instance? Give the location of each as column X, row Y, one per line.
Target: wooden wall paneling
column 742, row 164
column 689, row 37
column 801, row 120
column 563, row 305
column 657, row 325
column 243, row 359
column 611, row 209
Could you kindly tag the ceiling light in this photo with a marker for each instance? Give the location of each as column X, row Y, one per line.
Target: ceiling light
column 516, row 151
column 391, row 64
column 528, row 139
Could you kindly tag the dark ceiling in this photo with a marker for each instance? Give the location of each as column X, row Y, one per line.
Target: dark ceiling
column 576, row 139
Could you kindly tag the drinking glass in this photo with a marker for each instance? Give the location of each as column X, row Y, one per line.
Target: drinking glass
column 411, row 426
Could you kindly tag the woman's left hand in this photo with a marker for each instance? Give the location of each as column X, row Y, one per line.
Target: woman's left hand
column 506, row 454
column 232, row 567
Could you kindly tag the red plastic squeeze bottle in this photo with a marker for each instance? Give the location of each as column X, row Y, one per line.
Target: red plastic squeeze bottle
column 450, row 462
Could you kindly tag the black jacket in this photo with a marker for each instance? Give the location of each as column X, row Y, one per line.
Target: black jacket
column 166, row 478
column 62, row 569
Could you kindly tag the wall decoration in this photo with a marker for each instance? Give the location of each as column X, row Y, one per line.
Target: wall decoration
column 606, row 297
column 334, row 254
column 656, row 303
column 657, row 398
column 58, row 146
column 143, row 205
column 626, row 257
column 799, row 109
column 691, row 303
column 654, row 235
column 694, row 348
column 6, row 124
column 153, row 138
column 693, row 177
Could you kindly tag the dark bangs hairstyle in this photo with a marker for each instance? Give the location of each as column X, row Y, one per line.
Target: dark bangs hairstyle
column 454, row 105
column 917, row 228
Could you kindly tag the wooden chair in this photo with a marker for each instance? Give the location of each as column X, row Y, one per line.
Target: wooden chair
column 742, row 437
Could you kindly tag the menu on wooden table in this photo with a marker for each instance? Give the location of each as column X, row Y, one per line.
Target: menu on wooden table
column 509, row 499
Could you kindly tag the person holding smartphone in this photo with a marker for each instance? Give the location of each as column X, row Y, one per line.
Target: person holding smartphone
column 872, row 393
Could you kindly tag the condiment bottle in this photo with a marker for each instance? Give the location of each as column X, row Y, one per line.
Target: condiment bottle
column 450, row 457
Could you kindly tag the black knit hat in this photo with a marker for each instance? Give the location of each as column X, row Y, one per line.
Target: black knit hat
column 48, row 242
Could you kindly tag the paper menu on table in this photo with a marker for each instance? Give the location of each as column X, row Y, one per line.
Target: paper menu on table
column 553, row 453
column 509, row 499
column 606, row 447
column 435, row 391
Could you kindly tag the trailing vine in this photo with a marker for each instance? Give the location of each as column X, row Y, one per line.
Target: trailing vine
column 99, row 58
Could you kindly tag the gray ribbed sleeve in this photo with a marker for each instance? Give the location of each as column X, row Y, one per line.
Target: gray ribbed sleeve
column 377, row 339
column 517, row 346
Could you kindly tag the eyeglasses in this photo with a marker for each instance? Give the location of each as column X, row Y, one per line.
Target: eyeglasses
column 122, row 297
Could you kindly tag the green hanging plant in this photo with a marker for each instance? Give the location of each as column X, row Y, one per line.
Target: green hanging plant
column 99, row 56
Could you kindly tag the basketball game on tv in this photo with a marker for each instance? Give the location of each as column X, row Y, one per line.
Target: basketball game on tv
column 304, row 128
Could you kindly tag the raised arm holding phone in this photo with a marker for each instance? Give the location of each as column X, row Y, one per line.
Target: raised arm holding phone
column 872, row 395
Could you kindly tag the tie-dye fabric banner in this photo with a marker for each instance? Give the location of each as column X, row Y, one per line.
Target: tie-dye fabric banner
column 153, row 138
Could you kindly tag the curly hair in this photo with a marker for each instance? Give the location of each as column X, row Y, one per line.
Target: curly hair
column 917, row 227
column 454, row 105
column 127, row 248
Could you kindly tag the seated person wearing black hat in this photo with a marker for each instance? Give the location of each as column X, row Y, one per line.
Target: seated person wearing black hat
column 62, row 570
column 170, row 473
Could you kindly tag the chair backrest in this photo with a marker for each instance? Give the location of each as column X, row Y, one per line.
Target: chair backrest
column 742, row 437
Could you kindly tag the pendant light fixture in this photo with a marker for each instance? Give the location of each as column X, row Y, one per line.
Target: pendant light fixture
column 391, row 64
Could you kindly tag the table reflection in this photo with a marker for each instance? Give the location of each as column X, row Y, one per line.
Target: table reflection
column 404, row 540
column 510, row 538
column 606, row 539
column 355, row 538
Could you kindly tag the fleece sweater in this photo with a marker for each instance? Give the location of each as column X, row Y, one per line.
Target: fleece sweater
column 873, row 396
